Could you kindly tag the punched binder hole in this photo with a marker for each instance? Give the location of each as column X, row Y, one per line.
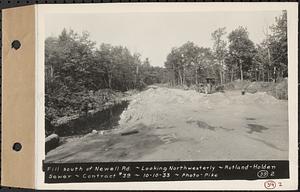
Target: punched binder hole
column 17, row 146
column 16, row 44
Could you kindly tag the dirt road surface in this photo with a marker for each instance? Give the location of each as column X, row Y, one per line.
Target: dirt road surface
column 173, row 124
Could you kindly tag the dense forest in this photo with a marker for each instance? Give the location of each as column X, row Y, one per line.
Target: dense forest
column 77, row 71
column 236, row 57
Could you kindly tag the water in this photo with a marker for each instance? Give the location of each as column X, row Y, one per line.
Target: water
column 256, row 128
column 102, row 120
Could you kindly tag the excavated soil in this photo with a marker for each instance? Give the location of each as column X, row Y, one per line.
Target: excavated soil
column 173, row 124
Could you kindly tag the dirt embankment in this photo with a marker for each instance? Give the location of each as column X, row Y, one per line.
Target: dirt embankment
column 278, row 90
column 176, row 124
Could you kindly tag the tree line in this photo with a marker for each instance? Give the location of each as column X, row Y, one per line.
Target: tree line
column 74, row 66
column 72, row 61
column 236, row 57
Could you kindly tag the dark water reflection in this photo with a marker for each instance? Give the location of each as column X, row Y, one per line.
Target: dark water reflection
column 102, row 120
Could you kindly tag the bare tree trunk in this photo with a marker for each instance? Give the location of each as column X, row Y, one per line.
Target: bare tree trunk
column 241, row 70
column 109, row 80
column 51, row 73
column 221, row 77
column 183, row 75
column 174, row 75
column 196, row 76
column 180, row 77
column 136, row 75
column 231, row 75
column 257, row 75
column 269, row 59
column 174, row 78
column 221, row 72
column 274, row 75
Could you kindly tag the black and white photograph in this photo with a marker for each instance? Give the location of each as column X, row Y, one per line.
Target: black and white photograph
column 166, row 86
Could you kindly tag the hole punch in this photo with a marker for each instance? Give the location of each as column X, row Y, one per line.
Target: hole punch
column 17, row 146
column 16, row 44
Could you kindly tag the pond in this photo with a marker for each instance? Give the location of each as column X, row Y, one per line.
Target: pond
column 102, row 120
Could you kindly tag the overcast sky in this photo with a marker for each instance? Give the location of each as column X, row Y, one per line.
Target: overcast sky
column 154, row 34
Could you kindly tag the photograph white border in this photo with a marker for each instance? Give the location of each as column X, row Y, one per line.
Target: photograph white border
column 292, row 13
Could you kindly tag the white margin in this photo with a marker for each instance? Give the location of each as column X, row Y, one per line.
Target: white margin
column 292, row 10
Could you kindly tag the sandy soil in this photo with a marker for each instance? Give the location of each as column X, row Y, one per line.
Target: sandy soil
column 172, row 124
